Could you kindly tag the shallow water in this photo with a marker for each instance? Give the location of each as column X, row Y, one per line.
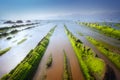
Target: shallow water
column 17, row 53
column 58, row 43
column 99, row 54
column 75, row 28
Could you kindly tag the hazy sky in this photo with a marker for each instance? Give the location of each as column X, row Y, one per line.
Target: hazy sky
column 31, row 9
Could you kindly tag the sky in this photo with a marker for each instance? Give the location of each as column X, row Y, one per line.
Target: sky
column 47, row 9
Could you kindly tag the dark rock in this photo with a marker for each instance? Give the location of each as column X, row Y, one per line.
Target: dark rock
column 8, row 38
column 9, row 22
column 14, row 31
column 109, row 75
column 19, row 21
column 28, row 21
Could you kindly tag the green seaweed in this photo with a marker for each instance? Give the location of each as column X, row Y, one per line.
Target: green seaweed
column 4, row 51
column 104, row 29
column 67, row 71
column 49, row 61
column 113, row 57
column 26, row 68
column 92, row 67
column 23, row 40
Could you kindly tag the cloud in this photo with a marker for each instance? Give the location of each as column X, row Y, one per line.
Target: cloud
column 50, row 8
